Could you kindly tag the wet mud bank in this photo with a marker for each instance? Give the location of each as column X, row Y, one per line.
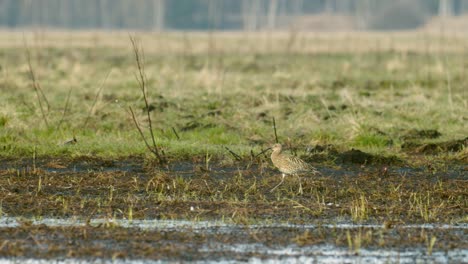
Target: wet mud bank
column 216, row 241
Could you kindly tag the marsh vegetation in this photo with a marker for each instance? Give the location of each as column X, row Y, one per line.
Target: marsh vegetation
column 382, row 117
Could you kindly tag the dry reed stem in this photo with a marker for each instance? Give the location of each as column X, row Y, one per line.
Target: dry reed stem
column 65, row 109
column 91, row 110
column 274, row 129
column 142, row 80
column 37, row 88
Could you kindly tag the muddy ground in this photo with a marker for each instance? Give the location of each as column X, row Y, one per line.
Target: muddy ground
column 102, row 188
column 387, row 195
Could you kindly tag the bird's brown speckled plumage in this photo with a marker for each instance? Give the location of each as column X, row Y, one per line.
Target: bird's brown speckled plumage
column 287, row 164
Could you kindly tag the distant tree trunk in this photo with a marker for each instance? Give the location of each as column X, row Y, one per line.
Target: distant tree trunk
column 272, row 8
column 445, row 8
column 343, row 6
column 42, row 12
column 23, row 12
column 159, row 8
column 215, row 8
column 105, row 13
column 297, row 6
column 89, row 15
column 98, row 7
column 362, row 13
column 129, row 20
column 34, row 12
column 281, row 12
column 250, row 11
column 3, row 12
column 463, row 6
column 255, row 14
column 211, row 13
column 10, row 11
column 329, row 6
column 244, row 14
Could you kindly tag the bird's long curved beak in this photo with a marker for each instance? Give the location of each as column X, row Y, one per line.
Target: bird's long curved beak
column 263, row 151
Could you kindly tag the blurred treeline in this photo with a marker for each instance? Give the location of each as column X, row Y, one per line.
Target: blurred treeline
column 219, row 14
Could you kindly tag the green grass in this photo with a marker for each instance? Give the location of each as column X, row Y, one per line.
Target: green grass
column 364, row 100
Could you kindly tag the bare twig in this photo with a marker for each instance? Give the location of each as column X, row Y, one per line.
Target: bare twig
column 91, row 110
column 237, row 157
column 274, row 128
column 37, row 88
column 27, row 105
column 141, row 132
column 65, row 109
column 175, row 133
column 263, row 151
column 142, row 80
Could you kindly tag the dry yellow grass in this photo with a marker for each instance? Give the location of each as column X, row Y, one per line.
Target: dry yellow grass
column 245, row 42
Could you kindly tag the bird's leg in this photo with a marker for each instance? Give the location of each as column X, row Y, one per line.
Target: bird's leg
column 282, row 180
column 300, row 185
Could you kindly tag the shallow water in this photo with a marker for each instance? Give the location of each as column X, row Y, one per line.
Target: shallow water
column 256, row 252
column 164, row 225
column 314, row 254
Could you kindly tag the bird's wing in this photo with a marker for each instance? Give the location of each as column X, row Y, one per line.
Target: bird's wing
column 305, row 166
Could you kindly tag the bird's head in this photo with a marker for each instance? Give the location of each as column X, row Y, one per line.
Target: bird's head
column 277, row 147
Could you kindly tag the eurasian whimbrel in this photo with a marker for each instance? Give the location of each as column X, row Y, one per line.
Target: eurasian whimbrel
column 288, row 164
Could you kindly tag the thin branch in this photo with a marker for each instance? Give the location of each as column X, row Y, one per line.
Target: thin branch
column 142, row 81
column 27, row 105
column 91, row 110
column 263, row 151
column 141, row 132
column 65, row 109
column 175, row 133
column 274, row 128
column 237, row 157
column 36, row 86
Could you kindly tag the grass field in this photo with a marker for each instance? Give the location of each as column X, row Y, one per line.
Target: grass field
column 365, row 91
